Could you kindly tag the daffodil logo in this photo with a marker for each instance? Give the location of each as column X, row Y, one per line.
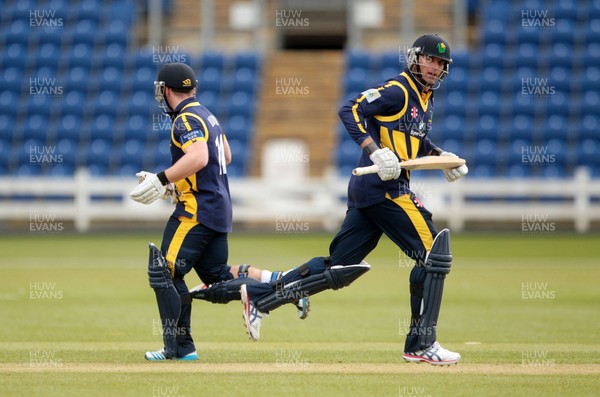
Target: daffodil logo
column 441, row 48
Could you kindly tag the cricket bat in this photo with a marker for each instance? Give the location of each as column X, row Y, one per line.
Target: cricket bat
column 421, row 163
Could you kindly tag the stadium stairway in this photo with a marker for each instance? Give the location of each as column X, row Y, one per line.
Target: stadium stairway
column 299, row 98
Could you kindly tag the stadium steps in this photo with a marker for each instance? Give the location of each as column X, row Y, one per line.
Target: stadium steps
column 299, row 98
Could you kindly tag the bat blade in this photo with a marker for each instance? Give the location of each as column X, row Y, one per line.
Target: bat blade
column 422, row 163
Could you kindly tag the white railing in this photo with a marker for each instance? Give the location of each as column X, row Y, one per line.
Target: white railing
column 312, row 201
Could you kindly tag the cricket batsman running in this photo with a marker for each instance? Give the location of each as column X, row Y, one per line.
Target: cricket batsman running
column 195, row 236
column 390, row 123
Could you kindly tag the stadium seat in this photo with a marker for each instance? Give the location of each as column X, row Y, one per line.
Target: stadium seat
column 140, row 127
column 589, row 127
column 493, row 53
column 14, row 55
column 559, row 79
column 46, row 55
column 54, row 37
column 11, row 80
column 494, row 32
column 457, row 80
column 141, row 103
column 241, row 104
column 84, row 32
column 76, row 79
column 86, row 10
column 391, row 60
column 454, row 127
column 108, row 78
column 487, row 127
column 17, row 32
column 485, row 153
column 210, row 79
column 213, row 60
column 239, row 156
column 110, row 56
column 97, row 153
column 359, row 60
column 238, row 128
column 80, row 55
column 244, row 79
column 588, row 153
column 69, row 127
column 563, row 32
column 207, row 98
column 555, row 126
column 246, row 60
column 489, row 102
column 522, row 126
column 104, row 103
column 567, row 10
column 38, row 105
column 527, row 55
column 123, row 11
column 116, row 33
column 591, row 78
column 7, row 130
column 68, row 151
column 130, row 153
column 102, row 127
column 456, row 103
column 557, row 102
column 356, row 80
column 591, row 54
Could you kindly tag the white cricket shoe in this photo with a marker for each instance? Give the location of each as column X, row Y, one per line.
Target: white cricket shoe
column 252, row 316
column 159, row 355
column 303, row 306
column 434, row 355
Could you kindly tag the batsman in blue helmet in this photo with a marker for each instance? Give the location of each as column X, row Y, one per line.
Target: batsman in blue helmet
column 391, row 123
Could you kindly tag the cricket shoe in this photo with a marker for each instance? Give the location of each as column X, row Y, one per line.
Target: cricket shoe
column 160, row 356
column 303, row 306
column 252, row 316
column 434, row 355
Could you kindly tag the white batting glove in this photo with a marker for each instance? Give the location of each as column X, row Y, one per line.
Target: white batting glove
column 456, row 173
column 149, row 190
column 389, row 166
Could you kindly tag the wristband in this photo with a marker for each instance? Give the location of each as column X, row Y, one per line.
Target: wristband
column 162, row 177
column 371, row 148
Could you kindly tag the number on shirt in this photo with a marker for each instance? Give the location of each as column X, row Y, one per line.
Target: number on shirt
column 221, row 154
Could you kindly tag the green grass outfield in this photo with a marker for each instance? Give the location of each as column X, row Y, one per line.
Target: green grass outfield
column 523, row 310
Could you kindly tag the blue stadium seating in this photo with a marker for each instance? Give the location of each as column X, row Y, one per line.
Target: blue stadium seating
column 12, row 82
column 238, row 128
column 246, row 60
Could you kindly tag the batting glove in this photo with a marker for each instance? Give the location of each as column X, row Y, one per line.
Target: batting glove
column 454, row 174
column 389, row 166
column 149, row 190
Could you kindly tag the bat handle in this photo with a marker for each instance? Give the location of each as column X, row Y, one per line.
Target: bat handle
column 371, row 169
